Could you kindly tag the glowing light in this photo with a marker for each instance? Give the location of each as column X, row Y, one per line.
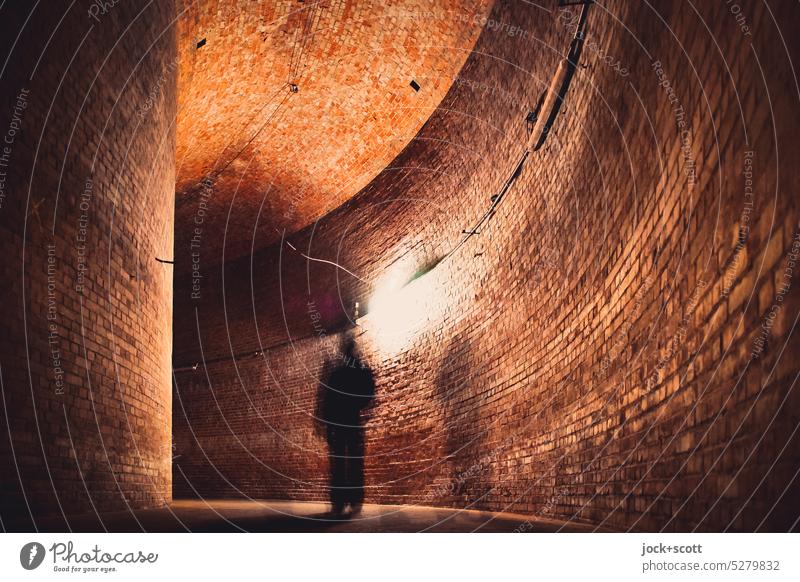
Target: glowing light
column 398, row 311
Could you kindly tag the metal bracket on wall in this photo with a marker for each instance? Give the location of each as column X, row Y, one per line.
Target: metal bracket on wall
column 551, row 101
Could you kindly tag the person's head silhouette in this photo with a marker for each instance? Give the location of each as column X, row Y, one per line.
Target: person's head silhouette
column 348, row 349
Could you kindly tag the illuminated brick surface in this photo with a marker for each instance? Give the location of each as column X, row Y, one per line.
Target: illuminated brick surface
column 616, row 347
column 89, row 203
column 279, row 160
column 593, row 354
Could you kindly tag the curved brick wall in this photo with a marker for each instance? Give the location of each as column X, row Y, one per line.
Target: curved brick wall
column 246, row 142
column 616, row 347
column 88, row 204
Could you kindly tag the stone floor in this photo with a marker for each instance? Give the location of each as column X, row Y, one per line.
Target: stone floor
column 292, row 516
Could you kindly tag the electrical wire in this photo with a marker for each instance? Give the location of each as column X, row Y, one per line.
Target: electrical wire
column 572, row 61
column 313, row 11
column 260, row 129
column 215, row 172
column 487, row 216
column 310, row 29
column 318, row 260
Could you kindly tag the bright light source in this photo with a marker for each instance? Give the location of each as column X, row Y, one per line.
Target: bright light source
column 397, row 311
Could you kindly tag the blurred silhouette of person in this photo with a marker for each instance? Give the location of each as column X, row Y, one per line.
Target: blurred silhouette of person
column 347, row 389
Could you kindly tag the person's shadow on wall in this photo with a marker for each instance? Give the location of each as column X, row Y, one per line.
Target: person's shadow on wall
column 465, row 434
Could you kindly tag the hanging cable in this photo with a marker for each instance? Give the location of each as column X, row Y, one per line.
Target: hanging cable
column 539, row 121
column 326, row 261
column 290, row 83
column 260, row 129
column 310, row 27
column 496, row 199
column 217, row 172
column 487, row 216
column 549, row 103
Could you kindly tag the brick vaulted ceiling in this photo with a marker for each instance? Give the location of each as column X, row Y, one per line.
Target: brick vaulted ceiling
column 254, row 157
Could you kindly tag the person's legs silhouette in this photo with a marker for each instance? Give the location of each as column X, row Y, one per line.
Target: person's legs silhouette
column 337, row 457
column 355, row 469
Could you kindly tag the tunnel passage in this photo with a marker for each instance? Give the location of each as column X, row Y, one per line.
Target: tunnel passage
column 87, row 208
column 598, row 352
column 220, row 191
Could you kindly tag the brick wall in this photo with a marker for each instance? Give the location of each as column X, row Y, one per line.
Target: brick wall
column 255, row 158
column 88, row 203
column 615, row 347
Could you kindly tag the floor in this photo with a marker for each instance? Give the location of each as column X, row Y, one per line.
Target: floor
column 294, row 516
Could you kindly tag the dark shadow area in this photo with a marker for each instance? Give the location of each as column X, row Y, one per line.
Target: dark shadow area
column 464, row 439
column 317, row 522
column 239, row 516
column 345, row 395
